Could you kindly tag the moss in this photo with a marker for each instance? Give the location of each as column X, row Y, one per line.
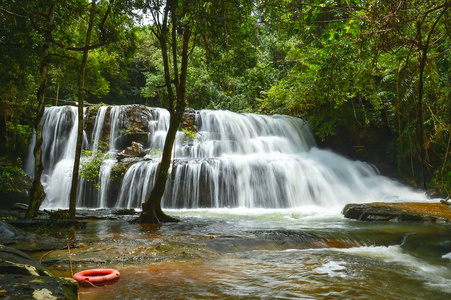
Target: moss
column 118, row 170
column 90, row 117
column 90, row 166
column 402, row 212
column 70, row 287
column 429, row 209
column 37, row 280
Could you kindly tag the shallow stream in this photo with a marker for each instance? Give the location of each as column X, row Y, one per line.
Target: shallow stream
column 308, row 253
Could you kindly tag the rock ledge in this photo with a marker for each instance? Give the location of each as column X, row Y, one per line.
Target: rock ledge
column 418, row 212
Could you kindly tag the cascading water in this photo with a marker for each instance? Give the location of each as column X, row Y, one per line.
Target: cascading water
column 233, row 160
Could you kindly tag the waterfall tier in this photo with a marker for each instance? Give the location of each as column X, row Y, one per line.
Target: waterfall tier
column 220, row 159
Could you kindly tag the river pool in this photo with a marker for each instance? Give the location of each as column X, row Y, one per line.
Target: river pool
column 305, row 253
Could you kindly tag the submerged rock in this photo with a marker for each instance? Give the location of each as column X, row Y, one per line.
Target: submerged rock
column 24, row 278
column 25, row 241
column 399, row 212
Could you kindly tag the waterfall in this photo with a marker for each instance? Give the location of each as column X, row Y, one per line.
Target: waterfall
column 98, row 126
column 59, row 131
column 28, row 165
column 231, row 160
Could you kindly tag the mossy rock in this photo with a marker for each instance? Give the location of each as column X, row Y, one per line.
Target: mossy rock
column 416, row 212
column 24, row 278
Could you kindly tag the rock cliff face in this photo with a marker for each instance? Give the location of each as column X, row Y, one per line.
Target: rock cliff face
column 132, row 125
column 399, row 212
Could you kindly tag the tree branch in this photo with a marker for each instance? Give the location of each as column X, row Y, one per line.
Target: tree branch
column 12, row 13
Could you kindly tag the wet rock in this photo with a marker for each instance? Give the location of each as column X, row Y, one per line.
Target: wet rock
column 90, row 119
column 135, row 150
column 20, row 206
column 437, row 192
column 138, row 117
column 189, row 117
column 126, row 140
column 25, row 241
column 24, row 278
column 399, row 212
column 134, row 126
column 10, row 234
column 125, row 212
column 63, row 223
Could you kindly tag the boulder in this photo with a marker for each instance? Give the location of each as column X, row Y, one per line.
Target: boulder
column 10, row 234
column 135, row 150
column 25, row 241
column 126, row 140
column 24, row 278
column 189, row 116
column 399, row 212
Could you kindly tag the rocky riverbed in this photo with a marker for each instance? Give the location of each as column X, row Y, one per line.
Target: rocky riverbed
column 22, row 277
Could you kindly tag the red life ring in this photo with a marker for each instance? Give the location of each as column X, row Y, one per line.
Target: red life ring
column 97, row 275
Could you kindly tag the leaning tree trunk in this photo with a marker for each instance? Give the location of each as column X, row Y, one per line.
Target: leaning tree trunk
column 37, row 193
column 151, row 209
column 81, row 84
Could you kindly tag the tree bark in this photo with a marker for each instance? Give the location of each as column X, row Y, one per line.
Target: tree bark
column 420, row 119
column 81, row 84
column 420, row 116
column 151, row 209
column 37, row 193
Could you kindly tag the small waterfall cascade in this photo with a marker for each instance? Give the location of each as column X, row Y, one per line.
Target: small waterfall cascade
column 221, row 159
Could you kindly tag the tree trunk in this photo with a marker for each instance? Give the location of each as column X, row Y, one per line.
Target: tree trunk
column 420, row 119
column 81, row 84
column 151, row 209
column 37, row 193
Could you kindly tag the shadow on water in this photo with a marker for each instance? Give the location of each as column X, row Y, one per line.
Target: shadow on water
column 264, row 255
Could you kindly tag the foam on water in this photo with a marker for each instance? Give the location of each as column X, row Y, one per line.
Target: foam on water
column 434, row 276
column 332, row 268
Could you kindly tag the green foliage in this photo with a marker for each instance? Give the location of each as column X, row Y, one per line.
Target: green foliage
column 190, row 135
column 90, row 166
column 118, row 170
column 9, row 177
column 348, row 65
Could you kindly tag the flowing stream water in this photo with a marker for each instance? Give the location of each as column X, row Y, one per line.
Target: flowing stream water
column 309, row 253
column 259, row 207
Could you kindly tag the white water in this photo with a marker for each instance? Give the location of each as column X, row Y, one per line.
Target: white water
column 98, row 126
column 235, row 160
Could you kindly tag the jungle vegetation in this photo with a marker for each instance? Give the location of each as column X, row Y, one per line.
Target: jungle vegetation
column 374, row 72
